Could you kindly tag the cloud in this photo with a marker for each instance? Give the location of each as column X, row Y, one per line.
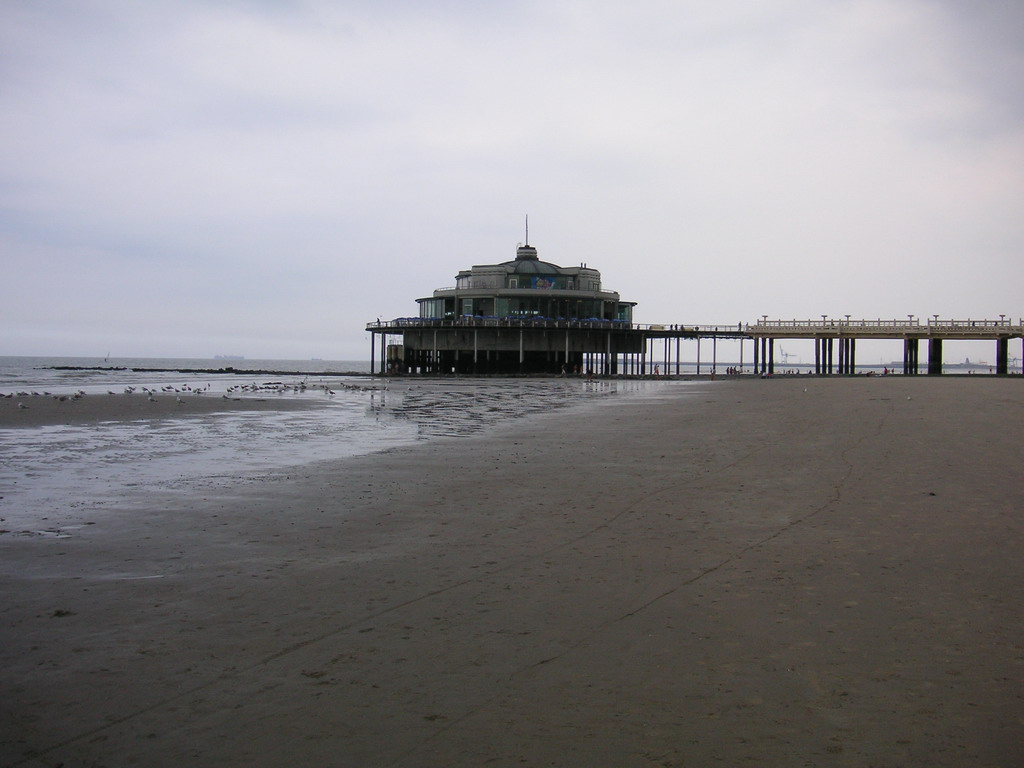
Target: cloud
column 286, row 172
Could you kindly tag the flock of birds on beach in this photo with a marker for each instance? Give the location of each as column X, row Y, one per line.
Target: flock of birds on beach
column 62, row 398
column 254, row 388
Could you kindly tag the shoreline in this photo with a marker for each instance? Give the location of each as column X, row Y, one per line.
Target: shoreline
column 747, row 572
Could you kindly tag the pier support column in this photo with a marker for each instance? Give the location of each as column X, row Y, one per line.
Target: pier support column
column 757, row 343
column 771, row 357
column 934, row 357
column 828, row 356
column 1002, row 356
column 846, row 356
column 817, row 357
column 910, row 357
column 853, row 356
column 373, row 349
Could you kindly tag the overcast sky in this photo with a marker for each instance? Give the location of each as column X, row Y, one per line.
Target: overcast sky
column 262, row 178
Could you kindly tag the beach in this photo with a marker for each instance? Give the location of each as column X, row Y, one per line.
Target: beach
column 793, row 571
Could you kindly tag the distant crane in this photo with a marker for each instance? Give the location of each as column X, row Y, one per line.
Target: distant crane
column 786, row 355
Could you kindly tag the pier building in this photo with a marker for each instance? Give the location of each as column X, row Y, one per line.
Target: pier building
column 524, row 315
column 527, row 288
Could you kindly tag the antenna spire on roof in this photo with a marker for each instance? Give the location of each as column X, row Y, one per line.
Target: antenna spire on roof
column 527, row 229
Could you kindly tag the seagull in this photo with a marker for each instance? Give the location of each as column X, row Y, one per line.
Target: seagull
column 179, row 400
column 151, row 399
column 22, row 405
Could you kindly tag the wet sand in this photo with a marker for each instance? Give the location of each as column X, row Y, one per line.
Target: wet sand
column 51, row 411
column 745, row 574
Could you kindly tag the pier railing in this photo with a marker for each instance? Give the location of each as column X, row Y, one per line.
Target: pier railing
column 880, row 328
column 927, row 327
column 534, row 321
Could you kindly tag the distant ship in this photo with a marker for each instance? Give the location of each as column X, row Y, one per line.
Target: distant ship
column 229, row 357
column 968, row 363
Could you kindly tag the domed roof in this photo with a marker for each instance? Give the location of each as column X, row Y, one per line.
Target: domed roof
column 527, row 263
column 534, row 268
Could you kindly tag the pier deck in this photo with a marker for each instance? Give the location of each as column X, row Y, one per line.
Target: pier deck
column 473, row 344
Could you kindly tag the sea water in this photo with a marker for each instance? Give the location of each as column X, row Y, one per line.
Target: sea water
column 48, row 472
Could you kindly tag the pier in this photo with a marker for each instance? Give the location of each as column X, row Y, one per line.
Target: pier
column 536, row 345
column 835, row 340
